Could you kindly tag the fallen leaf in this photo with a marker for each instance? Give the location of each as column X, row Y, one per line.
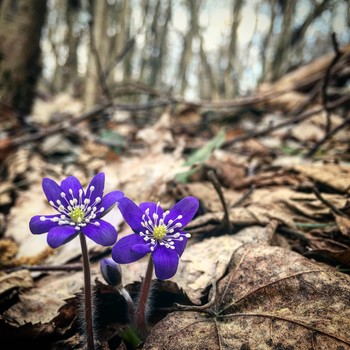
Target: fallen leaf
column 17, row 279
column 272, row 298
column 41, row 303
column 333, row 175
column 343, row 224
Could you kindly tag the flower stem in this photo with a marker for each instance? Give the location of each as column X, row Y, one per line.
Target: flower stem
column 141, row 322
column 87, row 294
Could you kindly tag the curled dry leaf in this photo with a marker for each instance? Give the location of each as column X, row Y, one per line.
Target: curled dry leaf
column 265, row 204
column 40, row 304
column 17, row 279
column 333, row 175
column 343, row 224
column 271, row 299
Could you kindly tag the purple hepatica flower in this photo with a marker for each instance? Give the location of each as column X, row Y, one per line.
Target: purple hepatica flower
column 79, row 211
column 157, row 232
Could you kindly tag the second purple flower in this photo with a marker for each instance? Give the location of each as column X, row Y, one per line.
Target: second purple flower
column 156, row 231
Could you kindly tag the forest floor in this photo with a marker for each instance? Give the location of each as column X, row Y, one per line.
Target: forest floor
column 270, row 245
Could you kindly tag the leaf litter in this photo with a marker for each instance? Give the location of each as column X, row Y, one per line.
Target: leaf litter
column 279, row 278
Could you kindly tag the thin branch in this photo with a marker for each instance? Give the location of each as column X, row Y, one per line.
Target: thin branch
column 326, row 137
column 294, row 120
column 120, row 55
column 57, row 128
column 327, row 203
column 206, row 308
column 41, row 268
column 214, row 180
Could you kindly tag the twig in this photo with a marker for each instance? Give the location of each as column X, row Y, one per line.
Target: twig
column 326, row 203
column 120, row 55
column 248, row 192
column 336, row 58
column 72, row 267
column 214, row 180
column 244, row 196
column 57, row 128
column 326, row 137
column 294, row 120
column 206, row 308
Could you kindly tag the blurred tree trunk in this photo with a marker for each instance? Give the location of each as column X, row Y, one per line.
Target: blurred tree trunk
column 158, row 56
column 72, row 42
column 146, row 13
column 231, row 87
column 208, row 88
column 98, row 52
column 187, row 44
column 56, row 42
column 119, row 17
column 20, row 67
column 265, row 45
column 298, row 33
column 279, row 64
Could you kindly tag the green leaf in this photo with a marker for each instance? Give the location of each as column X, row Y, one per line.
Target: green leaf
column 201, row 155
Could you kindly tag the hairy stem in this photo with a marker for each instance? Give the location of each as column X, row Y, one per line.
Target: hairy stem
column 89, row 330
column 140, row 317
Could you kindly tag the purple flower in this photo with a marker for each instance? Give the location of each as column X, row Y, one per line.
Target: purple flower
column 157, row 232
column 79, row 211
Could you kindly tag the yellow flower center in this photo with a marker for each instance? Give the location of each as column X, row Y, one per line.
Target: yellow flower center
column 159, row 232
column 77, row 215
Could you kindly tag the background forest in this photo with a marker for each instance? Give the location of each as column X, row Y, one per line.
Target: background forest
column 135, row 50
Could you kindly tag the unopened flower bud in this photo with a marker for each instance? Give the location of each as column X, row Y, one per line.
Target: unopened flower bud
column 111, row 272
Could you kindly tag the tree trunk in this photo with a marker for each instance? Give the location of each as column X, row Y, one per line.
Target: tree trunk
column 230, row 75
column 98, row 51
column 280, row 61
column 20, row 31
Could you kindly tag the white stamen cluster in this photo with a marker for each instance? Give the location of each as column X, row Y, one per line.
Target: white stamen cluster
column 157, row 232
column 77, row 212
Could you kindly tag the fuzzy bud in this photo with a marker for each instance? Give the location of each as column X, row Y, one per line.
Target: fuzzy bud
column 111, row 272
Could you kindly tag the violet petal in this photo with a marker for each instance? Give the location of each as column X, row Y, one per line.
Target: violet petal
column 104, row 234
column 38, row 226
column 98, row 182
column 153, row 208
column 52, row 190
column 72, row 183
column 165, row 261
column 122, row 251
column 132, row 213
column 108, row 201
column 180, row 245
column 59, row 235
column 187, row 208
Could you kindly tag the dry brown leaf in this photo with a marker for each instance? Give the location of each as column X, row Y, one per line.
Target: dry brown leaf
column 295, row 204
column 273, row 298
column 41, row 303
column 207, row 194
column 307, row 131
column 157, row 136
column 144, row 177
column 333, row 175
column 263, row 204
column 343, row 224
column 17, row 279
